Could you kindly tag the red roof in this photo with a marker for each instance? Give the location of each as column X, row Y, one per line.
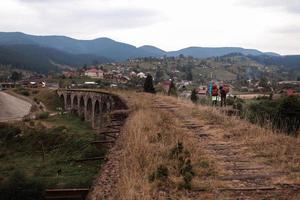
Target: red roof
column 94, row 70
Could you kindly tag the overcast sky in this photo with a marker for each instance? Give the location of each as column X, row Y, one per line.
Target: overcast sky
column 267, row 25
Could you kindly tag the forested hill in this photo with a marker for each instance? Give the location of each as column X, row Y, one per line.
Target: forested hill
column 115, row 50
column 289, row 62
column 43, row 59
column 43, row 54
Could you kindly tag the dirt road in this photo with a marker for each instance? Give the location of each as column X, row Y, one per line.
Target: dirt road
column 12, row 108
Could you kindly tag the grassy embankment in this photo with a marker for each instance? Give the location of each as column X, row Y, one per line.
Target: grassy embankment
column 42, row 148
column 159, row 158
column 153, row 166
column 47, row 97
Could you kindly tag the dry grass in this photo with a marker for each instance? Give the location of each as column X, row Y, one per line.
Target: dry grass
column 148, row 138
column 275, row 148
column 150, row 134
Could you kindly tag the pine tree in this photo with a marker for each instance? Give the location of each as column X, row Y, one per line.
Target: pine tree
column 194, row 97
column 15, row 76
column 189, row 76
column 148, row 85
column 159, row 75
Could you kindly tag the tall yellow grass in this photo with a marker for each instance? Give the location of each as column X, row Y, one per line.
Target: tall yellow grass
column 149, row 134
column 148, row 137
column 276, row 148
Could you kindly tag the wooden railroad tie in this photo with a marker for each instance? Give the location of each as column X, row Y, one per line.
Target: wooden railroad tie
column 246, row 177
column 103, row 142
column 104, row 132
column 115, row 120
column 113, row 125
column 247, row 189
column 194, row 126
column 89, row 159
column 109, row 135
column 165, row 107
column 203, row 135
column 244, row 168
column 60, row 194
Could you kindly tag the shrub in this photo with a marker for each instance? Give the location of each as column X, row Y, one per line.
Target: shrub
column 9, row 132
column 194, row 97
column 185, row 168
column 148, row 85
column 92, row 151
column 177, row 150
column 24, row 92
column 35, row 92
column 161, row 174
column 283, row 114
column 289, row 115
column 261, row 112
column 230, row 101
column 42, row 115
column 187, row 172
column 31, row 123
column 18, row 186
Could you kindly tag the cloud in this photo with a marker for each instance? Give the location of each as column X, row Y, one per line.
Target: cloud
column 290, row 29
column 106, row 19
column 91, row 14
column 292, row 6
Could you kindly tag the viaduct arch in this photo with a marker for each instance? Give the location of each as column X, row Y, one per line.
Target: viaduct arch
column 90, row 105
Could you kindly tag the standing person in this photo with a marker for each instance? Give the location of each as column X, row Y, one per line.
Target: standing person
column 223, row 96
column 215, row 94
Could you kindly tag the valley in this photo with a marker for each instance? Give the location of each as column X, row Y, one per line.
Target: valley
column 84, row 126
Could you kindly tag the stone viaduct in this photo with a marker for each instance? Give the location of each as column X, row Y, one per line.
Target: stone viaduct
column 90, row 105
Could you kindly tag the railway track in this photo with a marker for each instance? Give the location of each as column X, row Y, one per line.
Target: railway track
column 66, row 194
column 245, row 178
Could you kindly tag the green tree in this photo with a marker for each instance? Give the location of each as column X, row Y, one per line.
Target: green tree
column 159, row 75
column 288, row 114
column 148, row 85
column 194, row 96
column 263, row 82
column 189, row 75
column 16, row 76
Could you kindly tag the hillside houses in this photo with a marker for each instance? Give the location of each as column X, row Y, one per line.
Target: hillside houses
column 71, row 73
column 94, row 73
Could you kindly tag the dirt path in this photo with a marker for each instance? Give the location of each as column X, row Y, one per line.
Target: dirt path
column 12, row 108
column 243, row 175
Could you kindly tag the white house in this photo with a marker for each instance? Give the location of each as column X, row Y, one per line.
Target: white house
column 141, row 75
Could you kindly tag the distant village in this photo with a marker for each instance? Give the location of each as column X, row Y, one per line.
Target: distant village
column 165, row 71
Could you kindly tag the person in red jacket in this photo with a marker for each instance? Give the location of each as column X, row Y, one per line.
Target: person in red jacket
column 215, row 94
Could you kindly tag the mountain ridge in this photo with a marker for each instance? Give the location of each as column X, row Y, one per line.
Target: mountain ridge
column 41, row 59
column 115, row 50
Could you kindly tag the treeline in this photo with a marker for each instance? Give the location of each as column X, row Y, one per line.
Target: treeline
column 290, row 62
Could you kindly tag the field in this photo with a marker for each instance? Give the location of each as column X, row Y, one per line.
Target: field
column 44, row 150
